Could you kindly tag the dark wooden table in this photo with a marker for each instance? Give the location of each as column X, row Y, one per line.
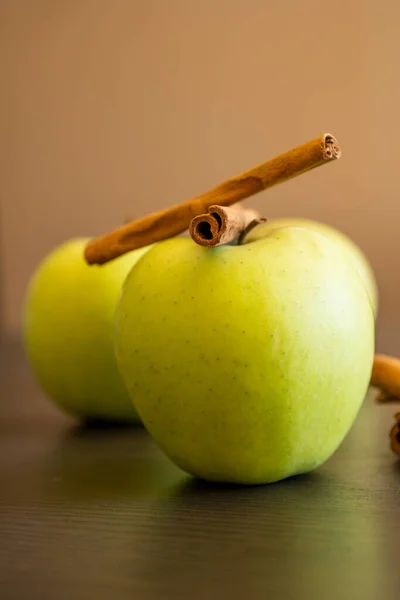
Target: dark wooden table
column 101, row 513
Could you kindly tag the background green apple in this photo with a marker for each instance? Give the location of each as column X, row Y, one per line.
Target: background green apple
column 249, row 363
column 353, row 252
column 68, row 332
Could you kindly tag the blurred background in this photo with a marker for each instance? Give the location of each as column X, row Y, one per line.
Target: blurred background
column 114, row 108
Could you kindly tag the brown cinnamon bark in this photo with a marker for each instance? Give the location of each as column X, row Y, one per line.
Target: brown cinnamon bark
column 386, row 377
column 176, row 219
column 222, row 225
column 395, row 435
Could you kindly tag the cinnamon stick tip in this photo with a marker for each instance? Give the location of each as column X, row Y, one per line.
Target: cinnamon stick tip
column 395, row 435
column 204, row 229
column 87, row 254
column 91, row 254
column 331, row 147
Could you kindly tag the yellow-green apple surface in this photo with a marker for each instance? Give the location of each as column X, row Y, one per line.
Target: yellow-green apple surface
column 249, row 363
column 68, row 332
column 353, row 251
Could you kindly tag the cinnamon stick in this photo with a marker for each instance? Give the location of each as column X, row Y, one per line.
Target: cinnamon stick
column 222, row 225
column 386, row 377
column 395, row 435
column 176, row 219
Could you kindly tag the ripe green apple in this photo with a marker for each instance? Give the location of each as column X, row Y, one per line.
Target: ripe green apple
column 68, row 332
column 353, row 252
column 249, row 363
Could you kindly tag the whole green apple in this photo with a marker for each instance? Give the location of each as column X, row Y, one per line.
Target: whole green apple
column 249, row 363
column 68, row 332
column 353, row 252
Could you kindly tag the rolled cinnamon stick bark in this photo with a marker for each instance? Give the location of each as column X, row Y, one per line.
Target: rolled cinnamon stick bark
column 395, row 435
column 176, row 219
column 222, row 225
column 386, row 377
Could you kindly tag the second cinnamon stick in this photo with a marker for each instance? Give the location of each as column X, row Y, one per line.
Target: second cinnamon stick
column 386, row 377
column 222, row 225
column 395, row 435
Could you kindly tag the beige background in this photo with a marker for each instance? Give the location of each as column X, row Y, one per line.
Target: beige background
column 116, row 108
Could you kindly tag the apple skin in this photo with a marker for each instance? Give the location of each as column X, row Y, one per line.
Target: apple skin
column 353, row 252
column 68, row 332
column 249, row 363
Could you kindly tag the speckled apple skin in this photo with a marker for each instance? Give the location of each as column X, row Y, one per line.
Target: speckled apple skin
column 247, row 364
column 353, row 252
column 68, row 327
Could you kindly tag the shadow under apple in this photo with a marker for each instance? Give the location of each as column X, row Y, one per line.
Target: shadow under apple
column 237, row 539
column 104, row 462
column 192, row 486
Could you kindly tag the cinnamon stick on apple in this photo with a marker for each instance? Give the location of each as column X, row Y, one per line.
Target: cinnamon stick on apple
column 176, row 219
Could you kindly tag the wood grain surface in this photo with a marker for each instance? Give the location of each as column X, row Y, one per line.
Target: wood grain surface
column 101, row 513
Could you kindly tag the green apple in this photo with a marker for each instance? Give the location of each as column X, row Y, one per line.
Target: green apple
column 249, row 363
column 353, row 252
column 68, row 332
